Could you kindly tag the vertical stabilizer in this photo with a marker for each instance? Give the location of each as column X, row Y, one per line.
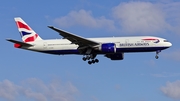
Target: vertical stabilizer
column 27, row 34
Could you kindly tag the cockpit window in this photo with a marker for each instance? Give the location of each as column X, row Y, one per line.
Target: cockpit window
column 165, row 40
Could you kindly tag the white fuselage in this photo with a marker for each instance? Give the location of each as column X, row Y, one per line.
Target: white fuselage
column 123, row 45
column 111, row 47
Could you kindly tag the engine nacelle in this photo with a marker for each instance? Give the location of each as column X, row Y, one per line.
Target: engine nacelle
column 116, row 56
column 108, row 48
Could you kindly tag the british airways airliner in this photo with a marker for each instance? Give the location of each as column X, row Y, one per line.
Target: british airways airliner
column 111, row 47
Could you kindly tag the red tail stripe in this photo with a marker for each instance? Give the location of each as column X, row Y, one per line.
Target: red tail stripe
column 31, row 39
column 21, row 25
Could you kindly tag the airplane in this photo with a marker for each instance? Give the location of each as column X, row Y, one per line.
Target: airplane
column 111, row 47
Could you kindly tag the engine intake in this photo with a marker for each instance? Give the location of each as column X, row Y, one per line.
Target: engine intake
column 108, row 48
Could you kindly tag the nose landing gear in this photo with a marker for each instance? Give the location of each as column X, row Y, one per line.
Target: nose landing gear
column 156, row 56
column 157, row 53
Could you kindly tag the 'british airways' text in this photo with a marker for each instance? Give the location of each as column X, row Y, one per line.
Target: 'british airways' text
column 134, row 44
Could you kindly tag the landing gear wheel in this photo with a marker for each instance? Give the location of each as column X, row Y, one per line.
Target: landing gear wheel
column 84, row 58
column 88, row 57
column 156, row 57
column 157, row 52
column 89, row 62
column 96, row 60
column 93, row 61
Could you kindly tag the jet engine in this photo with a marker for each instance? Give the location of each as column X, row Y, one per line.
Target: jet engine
column 116, row 56
column 108, row 48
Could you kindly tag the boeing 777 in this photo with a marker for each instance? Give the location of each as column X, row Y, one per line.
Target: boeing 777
column 111, row 47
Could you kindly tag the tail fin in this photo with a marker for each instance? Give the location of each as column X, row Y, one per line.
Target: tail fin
column 27, row 34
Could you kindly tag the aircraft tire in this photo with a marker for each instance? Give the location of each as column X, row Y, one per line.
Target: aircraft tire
column 93, row 61
column 156, row 57
column 84, row 58
column 89, row 62
column 96, row 60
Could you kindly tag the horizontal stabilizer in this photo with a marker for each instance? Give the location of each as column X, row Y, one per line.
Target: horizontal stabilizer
column 19, row 42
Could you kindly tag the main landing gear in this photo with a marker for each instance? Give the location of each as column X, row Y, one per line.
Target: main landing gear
column 91, row 59
column 157, row 52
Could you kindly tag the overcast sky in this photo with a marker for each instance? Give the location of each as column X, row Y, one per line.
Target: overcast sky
column 31, row 76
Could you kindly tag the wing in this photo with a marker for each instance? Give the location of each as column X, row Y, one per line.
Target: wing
column 82, row 42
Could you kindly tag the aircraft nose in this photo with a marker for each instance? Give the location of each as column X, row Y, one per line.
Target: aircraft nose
column 169, row 44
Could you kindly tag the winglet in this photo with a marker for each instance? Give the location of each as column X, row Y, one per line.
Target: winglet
column 55, row 29
column 50, row 26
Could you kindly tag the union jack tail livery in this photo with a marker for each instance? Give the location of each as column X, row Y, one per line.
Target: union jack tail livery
column 27, row 34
